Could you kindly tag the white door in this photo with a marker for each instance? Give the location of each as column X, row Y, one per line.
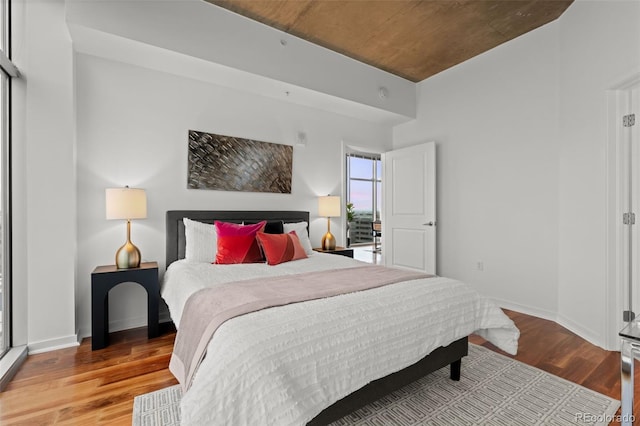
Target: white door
column 409, row 212
column 631, row 136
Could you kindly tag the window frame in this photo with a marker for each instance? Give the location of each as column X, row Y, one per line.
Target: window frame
column 374, row 180
column 8, row 72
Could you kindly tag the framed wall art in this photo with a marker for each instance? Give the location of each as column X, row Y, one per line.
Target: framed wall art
column 228, row 163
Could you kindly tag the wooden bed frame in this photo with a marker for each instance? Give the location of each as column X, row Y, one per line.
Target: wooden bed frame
column 439, row 358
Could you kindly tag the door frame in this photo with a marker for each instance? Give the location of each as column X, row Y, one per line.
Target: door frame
column 617, row 202
column 346, row 148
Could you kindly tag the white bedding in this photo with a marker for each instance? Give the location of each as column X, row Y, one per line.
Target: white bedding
column 184, row 278
column 282, row 366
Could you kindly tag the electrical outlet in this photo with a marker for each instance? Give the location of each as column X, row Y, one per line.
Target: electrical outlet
column 480, row 265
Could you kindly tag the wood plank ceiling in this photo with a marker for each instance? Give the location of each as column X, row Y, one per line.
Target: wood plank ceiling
column 413, row 39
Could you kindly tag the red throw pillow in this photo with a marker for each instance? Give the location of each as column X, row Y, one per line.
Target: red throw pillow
column 280, row 248
column 237, row 243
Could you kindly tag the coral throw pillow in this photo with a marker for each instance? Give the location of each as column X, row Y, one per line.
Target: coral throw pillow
column 237, row 243
column 280, row 248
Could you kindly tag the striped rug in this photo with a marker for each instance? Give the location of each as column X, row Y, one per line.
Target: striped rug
column 493, row 390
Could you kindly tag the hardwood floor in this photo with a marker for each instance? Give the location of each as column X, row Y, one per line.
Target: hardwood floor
column 80, row 386
column 552, row 348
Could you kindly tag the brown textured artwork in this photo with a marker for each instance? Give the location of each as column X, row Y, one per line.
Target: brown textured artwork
column 234, row 164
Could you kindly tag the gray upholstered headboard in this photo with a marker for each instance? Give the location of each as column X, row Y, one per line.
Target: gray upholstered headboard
column 175, row 226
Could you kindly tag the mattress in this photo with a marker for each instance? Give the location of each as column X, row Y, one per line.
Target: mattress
column 284, row 365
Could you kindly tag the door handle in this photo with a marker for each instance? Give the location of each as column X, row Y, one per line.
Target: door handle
column 430, row 223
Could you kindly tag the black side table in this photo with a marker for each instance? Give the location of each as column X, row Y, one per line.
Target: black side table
column 348, row 252
column 103, row 279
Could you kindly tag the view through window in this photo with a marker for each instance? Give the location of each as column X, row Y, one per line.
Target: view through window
column 364, row 186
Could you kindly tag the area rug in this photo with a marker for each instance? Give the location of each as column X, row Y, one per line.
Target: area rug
column 493, row 390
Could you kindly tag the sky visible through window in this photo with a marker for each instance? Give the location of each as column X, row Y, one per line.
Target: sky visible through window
column 361, row 191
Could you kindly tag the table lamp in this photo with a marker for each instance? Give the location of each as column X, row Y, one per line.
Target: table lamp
column 329, row 206
column 126, row 203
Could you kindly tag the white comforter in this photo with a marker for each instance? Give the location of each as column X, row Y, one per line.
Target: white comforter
column 284, row 365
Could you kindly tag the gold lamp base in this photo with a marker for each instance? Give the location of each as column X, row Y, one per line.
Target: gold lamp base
column 328, row 241
column 128, row 256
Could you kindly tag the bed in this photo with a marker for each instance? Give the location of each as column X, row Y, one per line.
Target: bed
column 389, row 370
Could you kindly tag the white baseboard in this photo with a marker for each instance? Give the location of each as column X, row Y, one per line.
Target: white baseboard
column 581, row 331
column 555, row 317
column 135, row 322
column 529, row 310
column 53, row 344
column 129, row 323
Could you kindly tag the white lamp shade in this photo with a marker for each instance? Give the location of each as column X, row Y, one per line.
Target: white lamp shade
column 329, row 206
column 126, row 203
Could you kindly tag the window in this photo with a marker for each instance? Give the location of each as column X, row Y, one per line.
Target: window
column 364, row 184
column 7, row 72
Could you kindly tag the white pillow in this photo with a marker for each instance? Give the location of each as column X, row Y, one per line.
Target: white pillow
column 303, row 234
column 201, row 242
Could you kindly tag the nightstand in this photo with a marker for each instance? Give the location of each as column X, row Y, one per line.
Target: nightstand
column 103, row 279
column 338, row 250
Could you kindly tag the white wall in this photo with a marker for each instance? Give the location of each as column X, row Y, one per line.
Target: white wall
column 44, row 210
column 522, row 176
column 132, row 128
column 494, row 121
column 599, row 46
